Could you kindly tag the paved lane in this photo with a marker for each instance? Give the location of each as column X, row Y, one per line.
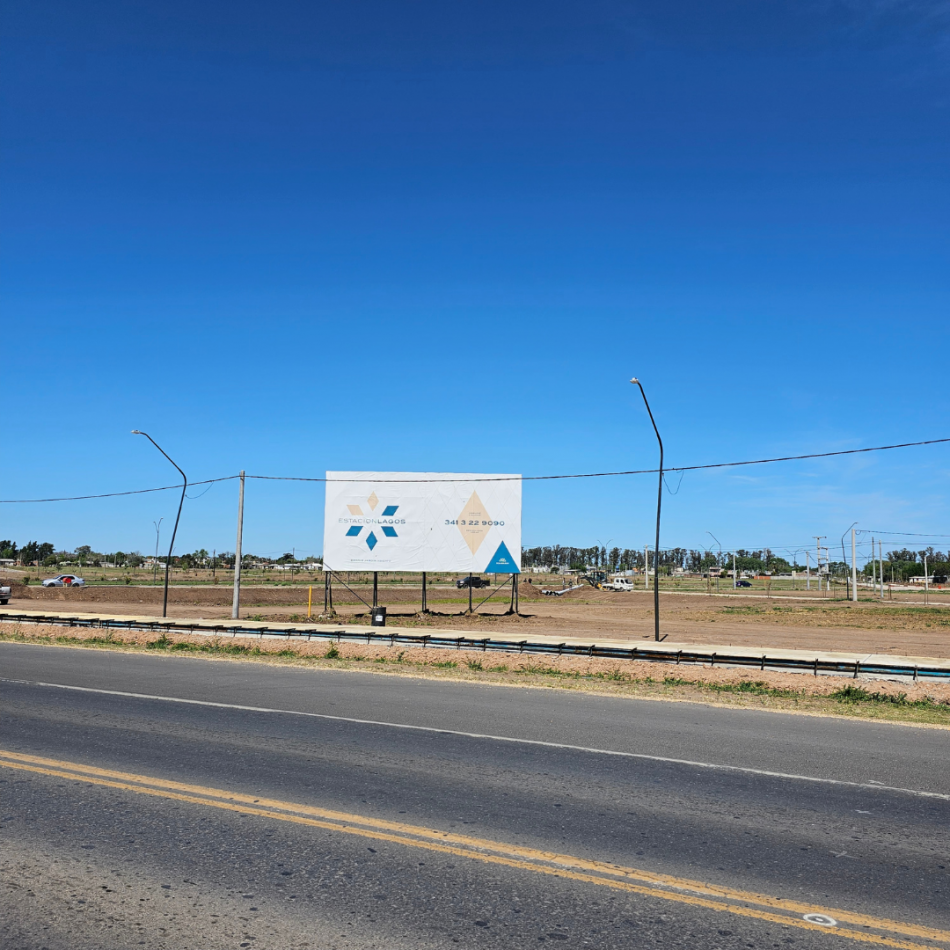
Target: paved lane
column 127, row 849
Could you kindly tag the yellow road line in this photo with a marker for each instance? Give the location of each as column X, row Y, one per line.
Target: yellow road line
column 530, row 854
column 460, row 846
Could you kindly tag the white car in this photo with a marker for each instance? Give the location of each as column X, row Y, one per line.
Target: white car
column 618, row 583
column 64, row 580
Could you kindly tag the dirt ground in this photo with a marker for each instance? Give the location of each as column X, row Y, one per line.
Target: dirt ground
column 782, row 622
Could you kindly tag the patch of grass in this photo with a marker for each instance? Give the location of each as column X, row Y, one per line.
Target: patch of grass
column 447, row 665
column 332, row 653
column 754, row 688
column 257, row 617
column 474, row 664
column 541, row 670
column 617, row 675
column 857, row 694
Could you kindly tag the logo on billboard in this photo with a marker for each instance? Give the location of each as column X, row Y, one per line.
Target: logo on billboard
column 474, row 523
column 386, row 527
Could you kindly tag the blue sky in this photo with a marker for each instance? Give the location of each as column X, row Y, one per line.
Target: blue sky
column 297, row 237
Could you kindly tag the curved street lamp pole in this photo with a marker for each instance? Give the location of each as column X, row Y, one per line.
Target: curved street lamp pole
column 184, row 488
column 720, row 557
column 659, row 501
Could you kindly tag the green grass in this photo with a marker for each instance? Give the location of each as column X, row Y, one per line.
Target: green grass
column 756, row 688
column 857, row 694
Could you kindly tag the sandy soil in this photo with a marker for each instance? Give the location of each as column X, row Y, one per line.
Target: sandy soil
column 727, row 620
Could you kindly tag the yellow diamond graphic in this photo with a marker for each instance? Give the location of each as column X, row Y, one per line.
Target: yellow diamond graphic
column 355, row 510
column 372, row 501
column 473, row 523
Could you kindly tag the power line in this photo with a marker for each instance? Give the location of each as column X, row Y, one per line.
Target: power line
column 111, row 494
column 639, row 471
column 906, row 534
column 508, row 478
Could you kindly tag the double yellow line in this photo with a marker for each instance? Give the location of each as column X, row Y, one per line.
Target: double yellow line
column 876, row 930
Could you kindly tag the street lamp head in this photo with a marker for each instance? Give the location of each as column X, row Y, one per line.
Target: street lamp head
column 635, row 381
column 136, row 432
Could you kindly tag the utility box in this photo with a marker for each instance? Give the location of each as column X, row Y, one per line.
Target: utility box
column 378, row 617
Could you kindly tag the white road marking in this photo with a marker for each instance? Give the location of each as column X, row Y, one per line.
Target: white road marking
column 873, row 786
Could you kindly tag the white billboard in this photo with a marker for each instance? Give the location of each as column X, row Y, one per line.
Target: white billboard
column 422, row 521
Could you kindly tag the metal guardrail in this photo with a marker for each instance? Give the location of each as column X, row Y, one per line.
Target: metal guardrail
column 483, row 644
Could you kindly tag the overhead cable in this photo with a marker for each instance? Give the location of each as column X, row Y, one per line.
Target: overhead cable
column 495, row 478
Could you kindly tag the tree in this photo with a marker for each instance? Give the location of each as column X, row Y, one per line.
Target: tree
column 9, row 549
column 35, row 552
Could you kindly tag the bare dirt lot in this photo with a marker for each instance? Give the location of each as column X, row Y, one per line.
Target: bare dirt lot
column 785, row 622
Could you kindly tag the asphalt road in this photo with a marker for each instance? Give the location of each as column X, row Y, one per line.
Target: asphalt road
column 178, row 802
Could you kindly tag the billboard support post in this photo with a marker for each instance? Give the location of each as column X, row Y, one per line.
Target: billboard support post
column 425, row 605
column 375, row 589
column 469, row 594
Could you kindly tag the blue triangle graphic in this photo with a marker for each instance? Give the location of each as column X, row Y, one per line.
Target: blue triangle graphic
column 502, row 562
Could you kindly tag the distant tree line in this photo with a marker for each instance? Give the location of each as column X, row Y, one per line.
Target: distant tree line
column 560, row 558
column 903, row 564
column 47, row 555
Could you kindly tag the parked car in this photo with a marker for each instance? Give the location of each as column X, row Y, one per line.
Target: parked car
column 4, row 596
column 64, row 580
column 618, row 583
column 471, row 581
column 743, row 584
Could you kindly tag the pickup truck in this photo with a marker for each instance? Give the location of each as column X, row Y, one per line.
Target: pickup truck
column 472, row 581
column 4, row 595
column 618, row 583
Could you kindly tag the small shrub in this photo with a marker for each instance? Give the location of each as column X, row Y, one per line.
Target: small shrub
column 332, row 653
column 474, row 664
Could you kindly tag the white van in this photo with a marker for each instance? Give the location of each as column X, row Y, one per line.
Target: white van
column 618, row 583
